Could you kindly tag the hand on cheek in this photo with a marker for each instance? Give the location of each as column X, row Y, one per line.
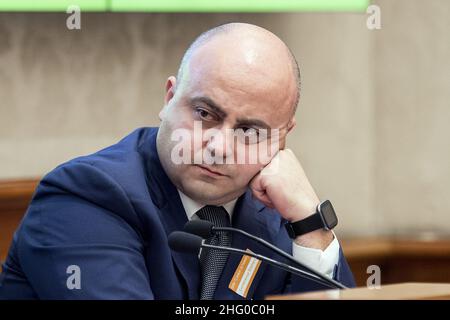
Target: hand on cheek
column 283, row 185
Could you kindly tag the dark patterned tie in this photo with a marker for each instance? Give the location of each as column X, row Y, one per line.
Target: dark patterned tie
column 212, row 262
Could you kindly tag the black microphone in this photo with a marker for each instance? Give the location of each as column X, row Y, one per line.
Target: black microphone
column 185, row 242
column 206, row 229
column 189, row 243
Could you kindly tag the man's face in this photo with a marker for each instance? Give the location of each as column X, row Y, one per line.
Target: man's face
column 224, row 96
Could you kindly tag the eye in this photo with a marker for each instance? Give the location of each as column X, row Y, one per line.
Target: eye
column 204, row 114
column 250, row 132
column 248, row 135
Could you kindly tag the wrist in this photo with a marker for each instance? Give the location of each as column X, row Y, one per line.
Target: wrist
column 315, row 230
column 301, row 211
column 318, row 239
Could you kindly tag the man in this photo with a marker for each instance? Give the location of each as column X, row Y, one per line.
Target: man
column 97, row 226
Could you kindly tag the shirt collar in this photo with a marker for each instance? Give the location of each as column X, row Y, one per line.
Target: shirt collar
column 191, row 206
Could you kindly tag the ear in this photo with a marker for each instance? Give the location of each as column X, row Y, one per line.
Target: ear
column 292, row 123
column 170, row 92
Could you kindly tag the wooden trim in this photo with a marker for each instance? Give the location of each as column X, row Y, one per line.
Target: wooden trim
column 15, row 196
column 360, row 248
column 17, row 189
column 398, row 291
column 387, row 247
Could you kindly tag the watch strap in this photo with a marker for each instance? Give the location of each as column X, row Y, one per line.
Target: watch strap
column 309, row 224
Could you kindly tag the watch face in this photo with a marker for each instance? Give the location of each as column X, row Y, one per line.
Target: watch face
column 328, row 214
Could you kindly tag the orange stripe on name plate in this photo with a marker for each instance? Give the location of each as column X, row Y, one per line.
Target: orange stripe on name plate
column 244, row 275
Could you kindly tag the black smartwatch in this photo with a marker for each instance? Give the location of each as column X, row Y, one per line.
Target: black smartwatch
column 323, row 218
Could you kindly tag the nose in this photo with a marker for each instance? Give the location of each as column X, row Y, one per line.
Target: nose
column 219, row 144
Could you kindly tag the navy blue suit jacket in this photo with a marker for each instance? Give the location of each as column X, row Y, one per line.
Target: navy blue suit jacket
column 110, row 213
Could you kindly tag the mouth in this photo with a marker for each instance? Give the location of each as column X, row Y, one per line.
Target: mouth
column 210, row 171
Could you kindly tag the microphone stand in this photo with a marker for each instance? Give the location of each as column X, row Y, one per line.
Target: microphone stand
column 275, row 263
column 330, row 282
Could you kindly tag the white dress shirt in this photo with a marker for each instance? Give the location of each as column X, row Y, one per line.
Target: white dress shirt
column 322, row 261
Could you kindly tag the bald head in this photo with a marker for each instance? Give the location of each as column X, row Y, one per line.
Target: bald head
column 250, row 46
column 236, row 77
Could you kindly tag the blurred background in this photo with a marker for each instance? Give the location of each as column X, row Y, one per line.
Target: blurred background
column 373, row 121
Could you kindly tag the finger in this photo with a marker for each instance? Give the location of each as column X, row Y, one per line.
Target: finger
column 263, row 197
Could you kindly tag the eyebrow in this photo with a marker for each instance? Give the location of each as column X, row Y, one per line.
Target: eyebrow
column 223, row 114
column 211, row 104
column 253, row 123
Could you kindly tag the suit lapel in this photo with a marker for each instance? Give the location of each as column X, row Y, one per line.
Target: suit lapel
column 173, row 217
column 250, row 216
